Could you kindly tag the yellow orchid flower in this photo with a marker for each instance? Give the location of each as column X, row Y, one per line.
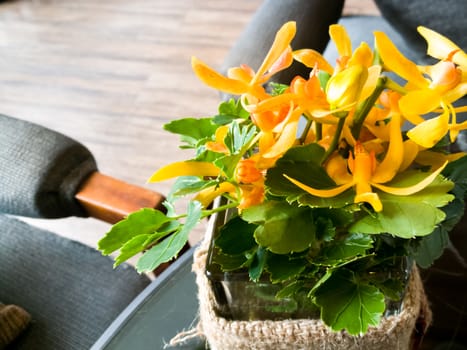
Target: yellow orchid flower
column 364, row 171
column 242, row 80
column 429, row 87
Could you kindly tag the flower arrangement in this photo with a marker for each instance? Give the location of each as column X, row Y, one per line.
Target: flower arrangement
column 333, row 177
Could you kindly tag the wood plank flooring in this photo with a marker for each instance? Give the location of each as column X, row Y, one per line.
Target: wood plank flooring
column 111, row 73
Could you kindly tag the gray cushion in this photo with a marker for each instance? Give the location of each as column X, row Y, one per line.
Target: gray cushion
column 447, row 17
column 40, row 170
column 71, row 291
column 313, row 19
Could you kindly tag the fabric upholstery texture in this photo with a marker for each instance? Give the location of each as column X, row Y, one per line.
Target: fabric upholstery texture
column 312, row 17
column 446, row 17
column 41, row 170
column 71, row 291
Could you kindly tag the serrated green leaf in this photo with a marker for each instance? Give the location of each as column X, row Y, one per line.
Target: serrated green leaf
column 233, row 109
column 350, row 246
column 282, row 268
column 282, row 228
column 349, row 304
column 230, row 262
column 236, row 236
column 303, row 164
column 185, row 185
column 402, row 219
column 144, row 221
column 431, row 247
column 192, row 130
column 257, row 264
column 172, row 245
column 238, row 137
column 290, row 289
column 131, row 248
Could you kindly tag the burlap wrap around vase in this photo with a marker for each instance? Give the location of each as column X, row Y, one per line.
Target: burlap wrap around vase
column 394, row 332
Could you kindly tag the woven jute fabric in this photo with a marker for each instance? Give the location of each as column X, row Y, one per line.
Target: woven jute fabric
column 394, row 332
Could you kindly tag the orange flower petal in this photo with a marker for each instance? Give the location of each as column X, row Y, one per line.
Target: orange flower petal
column 213, row 79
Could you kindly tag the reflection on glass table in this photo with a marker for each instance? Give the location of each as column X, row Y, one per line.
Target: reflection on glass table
column 165, row 308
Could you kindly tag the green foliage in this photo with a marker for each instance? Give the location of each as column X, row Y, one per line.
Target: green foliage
column 230, row 111
column 172, row 245
column 144, row 223
column 281, row 228
column 192, row 131
column 348, row 303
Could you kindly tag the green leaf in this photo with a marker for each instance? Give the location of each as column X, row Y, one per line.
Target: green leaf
column 192, row 130
column 229, row 111
column 236, row 236
column 257, row 264
column 144, row 221
column 349, row 304
column 131, row 248
column 185, row 185
column 277, row 88
column 282, row 268
column 282, row 228
column 290, row 290
column 402, row 219
column 230, row 262
column 431, row 247
column 238, row 137
column 303, row 164
column 347, row 248
column 170, row 246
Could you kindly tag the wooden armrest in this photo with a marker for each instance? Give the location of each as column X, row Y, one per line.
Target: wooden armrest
column 110, row 200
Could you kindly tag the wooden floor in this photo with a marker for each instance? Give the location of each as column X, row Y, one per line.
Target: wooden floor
column 111, row 73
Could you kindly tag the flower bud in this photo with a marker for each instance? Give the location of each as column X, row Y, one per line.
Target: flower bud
column 344, row 88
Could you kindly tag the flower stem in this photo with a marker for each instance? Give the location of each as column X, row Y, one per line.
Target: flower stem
column 221, row 208
column 363, row 110
column 335, row 140
column 305, row 130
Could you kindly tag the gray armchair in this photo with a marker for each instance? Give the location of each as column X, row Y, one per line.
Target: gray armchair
column 70, row 290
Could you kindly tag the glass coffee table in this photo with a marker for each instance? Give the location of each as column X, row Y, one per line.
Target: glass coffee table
column 168, row 306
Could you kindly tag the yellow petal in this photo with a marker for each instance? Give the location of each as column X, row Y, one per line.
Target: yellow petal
column 341, row 39
column 396, row 62
column 215, row 80
column 410, row 153
column 374, row 73
column 407, row 191
column 207, row 196
column 440, row 47
column 310, row 58
column 437, row 159
column 418, row 102
column 282, row 40
column 428, row 133
column 388, row 168
column 286, row 140
column 362, row 55
column 185, row 168
column 370, row 198
column 320, row 193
